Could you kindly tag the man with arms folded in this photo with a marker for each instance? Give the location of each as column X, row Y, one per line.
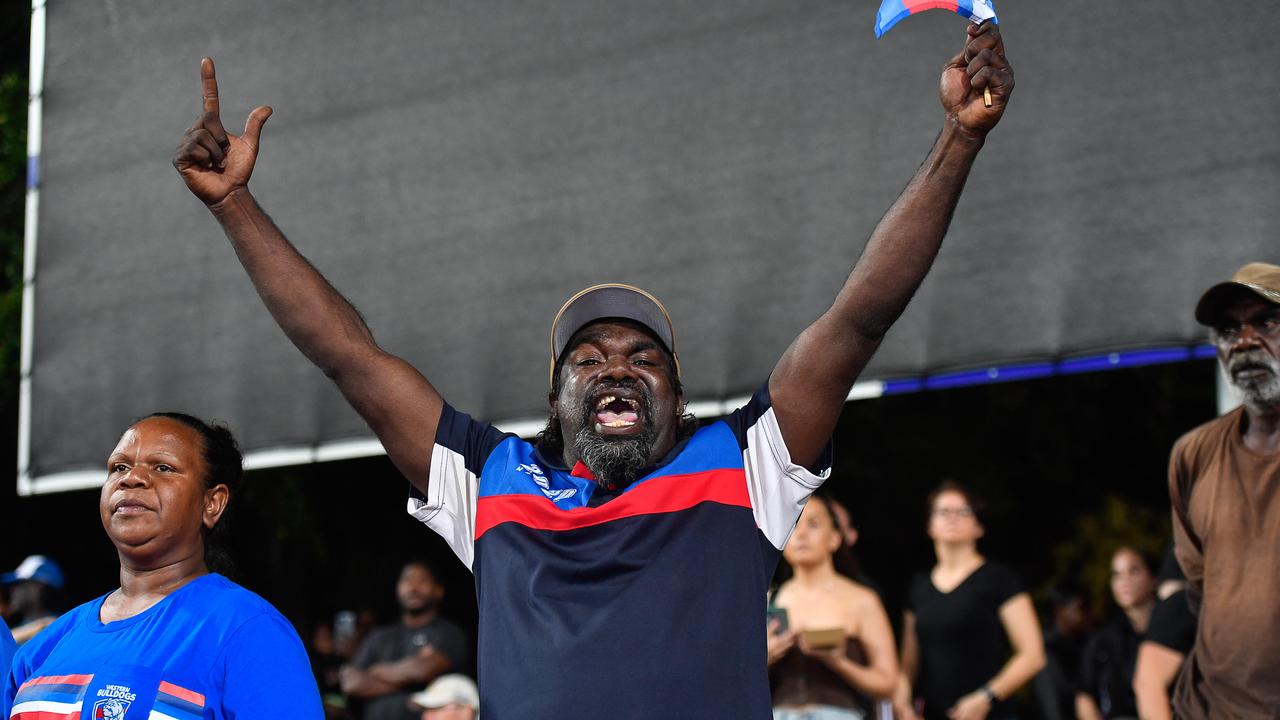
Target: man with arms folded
column 622, row 562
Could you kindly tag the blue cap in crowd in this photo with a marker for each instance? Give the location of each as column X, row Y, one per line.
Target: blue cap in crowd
column 35, row 567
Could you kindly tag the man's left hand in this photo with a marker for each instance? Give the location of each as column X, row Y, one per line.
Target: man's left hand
column 980, row 67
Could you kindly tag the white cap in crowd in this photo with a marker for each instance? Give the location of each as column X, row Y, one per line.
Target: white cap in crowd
column 448, row 690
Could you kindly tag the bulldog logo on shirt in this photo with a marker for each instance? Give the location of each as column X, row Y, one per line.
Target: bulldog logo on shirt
column 115, row 703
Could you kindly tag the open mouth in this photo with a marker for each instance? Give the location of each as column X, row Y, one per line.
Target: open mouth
column 617, row 412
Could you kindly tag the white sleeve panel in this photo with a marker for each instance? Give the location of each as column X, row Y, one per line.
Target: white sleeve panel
column 450, row 507
column 778, row 487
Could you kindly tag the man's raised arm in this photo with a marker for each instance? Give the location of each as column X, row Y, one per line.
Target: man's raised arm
column 394, row 398
column 811, row 381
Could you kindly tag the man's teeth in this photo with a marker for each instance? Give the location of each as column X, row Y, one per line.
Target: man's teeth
column 618, row 424
column 605, row 401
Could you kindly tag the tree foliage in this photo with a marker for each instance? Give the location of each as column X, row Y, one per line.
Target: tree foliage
column 13, row 142
column 15, row 21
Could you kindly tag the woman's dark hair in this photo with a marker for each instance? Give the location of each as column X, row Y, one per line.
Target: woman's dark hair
column 843, row 559
column 846, row 563
column 224, row 465
column 1147, row 559
column 972, row 499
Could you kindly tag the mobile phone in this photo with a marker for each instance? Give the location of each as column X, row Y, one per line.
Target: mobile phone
column 780, row 613
column 344, row 628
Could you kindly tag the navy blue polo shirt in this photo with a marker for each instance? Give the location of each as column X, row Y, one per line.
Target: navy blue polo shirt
column 648, row 605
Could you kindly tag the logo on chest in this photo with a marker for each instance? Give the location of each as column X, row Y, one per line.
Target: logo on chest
column 539, row 479
column 115, row 702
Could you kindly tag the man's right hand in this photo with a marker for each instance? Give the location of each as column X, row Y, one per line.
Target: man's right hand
column 212, row 161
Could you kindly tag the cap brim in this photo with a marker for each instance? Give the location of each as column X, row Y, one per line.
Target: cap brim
column 1217, row 298
column 422, row 701
column 9, row 578
column 430, row 701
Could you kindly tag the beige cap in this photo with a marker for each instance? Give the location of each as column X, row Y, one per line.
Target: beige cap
column 448, row 690
column 1261, row 279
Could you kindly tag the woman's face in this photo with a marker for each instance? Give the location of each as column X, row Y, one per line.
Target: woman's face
column 1131, row 581
column 154, row 505
column 951, row 519
column 815, row 537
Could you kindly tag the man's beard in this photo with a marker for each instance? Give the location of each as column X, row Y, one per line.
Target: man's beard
column 1259, row 392
column 616, row 460
column 422, row 608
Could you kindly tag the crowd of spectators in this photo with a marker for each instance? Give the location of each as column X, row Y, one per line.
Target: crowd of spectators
column 969, row 643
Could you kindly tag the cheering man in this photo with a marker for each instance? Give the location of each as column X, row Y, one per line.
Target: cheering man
column 622, row 560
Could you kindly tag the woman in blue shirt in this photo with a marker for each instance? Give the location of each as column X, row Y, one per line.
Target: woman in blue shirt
column 174, row 640
column 7, row 646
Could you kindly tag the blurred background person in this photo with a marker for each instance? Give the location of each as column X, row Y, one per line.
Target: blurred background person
column 845, row 679
column 174, row 640
column 327, row 664
column 397, row 659
column 448, row 697
column 970, row 637
column 1170, row 636
column 35, row 595
column 1069, row 626
column 1106, row 671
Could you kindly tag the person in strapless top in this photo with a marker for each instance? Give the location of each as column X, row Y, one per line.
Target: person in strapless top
column 840, row 682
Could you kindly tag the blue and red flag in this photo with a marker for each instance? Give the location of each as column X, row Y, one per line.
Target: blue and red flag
column 891, row 11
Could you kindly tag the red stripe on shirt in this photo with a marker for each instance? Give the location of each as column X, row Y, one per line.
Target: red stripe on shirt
column 180, row 692
column 58, row 680
column 657, row 495
column 45, row 715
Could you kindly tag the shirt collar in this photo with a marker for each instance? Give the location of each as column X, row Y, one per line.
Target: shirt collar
column 582, row 471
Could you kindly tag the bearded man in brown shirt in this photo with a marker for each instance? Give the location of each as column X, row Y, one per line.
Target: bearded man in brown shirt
column 1224, row 483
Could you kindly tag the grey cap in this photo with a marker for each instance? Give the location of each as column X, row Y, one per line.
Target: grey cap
column 611, row 300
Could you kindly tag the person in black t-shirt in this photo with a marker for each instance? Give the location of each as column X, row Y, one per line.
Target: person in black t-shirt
column 970, row 634
column 1070, row 625
column 1106, row 671
column 1169, row 639
column 398, row 659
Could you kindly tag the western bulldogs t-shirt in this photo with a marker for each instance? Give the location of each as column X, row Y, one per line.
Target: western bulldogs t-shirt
column 7, row 647
column 645, row 603
column 211, row 649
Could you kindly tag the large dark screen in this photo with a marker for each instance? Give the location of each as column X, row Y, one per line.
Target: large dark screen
column 459, row 168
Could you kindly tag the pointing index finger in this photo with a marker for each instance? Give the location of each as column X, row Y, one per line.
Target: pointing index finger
column 209, row 86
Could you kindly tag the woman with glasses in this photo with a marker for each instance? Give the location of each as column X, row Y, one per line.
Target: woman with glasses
column 970, row 638
column 839, row 677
